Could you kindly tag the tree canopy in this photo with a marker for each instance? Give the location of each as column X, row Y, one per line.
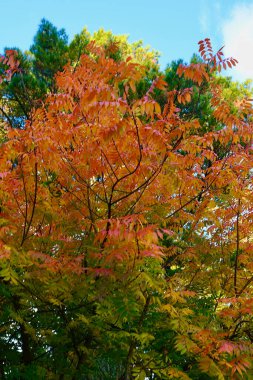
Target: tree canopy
column 126, row 222
column 49, row 53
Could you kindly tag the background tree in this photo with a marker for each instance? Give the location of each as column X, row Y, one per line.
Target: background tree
column 21, row 94
column 50, row 51
column 35, row 78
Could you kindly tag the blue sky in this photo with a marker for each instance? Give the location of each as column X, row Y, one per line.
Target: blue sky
column 172, row 27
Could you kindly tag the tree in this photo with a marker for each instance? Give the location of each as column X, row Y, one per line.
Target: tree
column 35, row 78
column 116, row 47
column 21, row 94
column 50, row 50
column 124, row 255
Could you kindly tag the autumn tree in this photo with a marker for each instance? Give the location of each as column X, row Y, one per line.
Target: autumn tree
column 123, row 254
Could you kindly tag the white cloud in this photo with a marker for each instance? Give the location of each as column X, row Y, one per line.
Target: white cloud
column 237, row 32
column 203, row 20
column 204, row 17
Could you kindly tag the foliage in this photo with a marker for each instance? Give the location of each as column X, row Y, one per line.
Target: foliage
column 49, row 54
column 50, row 49
column 116, row 47
column 126, row 229
column 35, row 78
